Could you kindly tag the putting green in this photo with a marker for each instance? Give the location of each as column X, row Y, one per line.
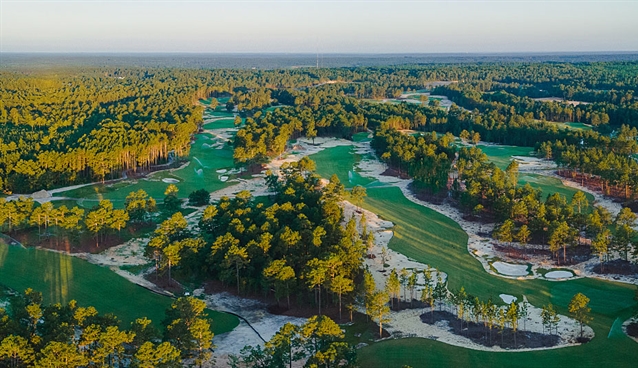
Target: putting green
column 340, row 160
column 429, row 237
column 62, row 278
column 502, row 155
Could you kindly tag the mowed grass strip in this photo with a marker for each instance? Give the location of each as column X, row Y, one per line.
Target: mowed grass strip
column 62, row 278
column 220, row 124
column 429, row 237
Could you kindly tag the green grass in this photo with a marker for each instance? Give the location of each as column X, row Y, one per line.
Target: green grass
column 361, row 137
column 574, row 126
column 570, row 125
column 222, row 322
column 220, row 124
column 432, row 238
column 221, row 100
column 550, row 185
column 202, row 157
column 340, row 160
column 273, row 108
column 502, row 155
column 62, row 278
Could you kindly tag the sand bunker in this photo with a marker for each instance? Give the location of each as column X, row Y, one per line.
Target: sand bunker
column 41, row 194
column 221, row 171
column 509, row 269
column 170, row 180
column 559, row 275
column 507, row 298
column 223, row 178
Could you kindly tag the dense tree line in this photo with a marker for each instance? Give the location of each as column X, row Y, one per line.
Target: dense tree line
column 95, row 123
column 36, row 335
column 426, row 158
column 56, row 223
column 62, row 130
column 485, row 191
column 610, row 160
column 293, row 244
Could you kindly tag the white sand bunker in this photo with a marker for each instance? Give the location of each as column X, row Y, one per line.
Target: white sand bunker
column 223, row 178
column 170, row 180
column 509, row 269
column 508, row 299
column 558, row 275
column 221, row 171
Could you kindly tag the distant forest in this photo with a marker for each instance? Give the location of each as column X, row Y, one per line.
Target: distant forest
column 93, row 124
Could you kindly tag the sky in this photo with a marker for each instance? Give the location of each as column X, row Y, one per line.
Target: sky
column 259, row 26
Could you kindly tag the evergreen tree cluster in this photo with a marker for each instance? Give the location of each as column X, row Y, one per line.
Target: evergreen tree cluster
column 36, row 335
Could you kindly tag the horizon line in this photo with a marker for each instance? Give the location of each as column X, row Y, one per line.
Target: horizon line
column 309, row 53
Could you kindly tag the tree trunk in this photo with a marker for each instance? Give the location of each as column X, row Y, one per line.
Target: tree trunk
column 237, row 268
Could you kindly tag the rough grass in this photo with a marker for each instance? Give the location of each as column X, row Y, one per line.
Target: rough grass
column 432, row 238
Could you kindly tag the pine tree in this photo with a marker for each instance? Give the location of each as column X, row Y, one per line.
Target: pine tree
column 579, row 309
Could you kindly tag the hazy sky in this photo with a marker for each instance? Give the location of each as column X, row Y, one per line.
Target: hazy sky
column 324, row 26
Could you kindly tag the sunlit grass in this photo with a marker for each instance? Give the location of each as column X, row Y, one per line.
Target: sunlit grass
column 432, row 238
column 61, row 278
